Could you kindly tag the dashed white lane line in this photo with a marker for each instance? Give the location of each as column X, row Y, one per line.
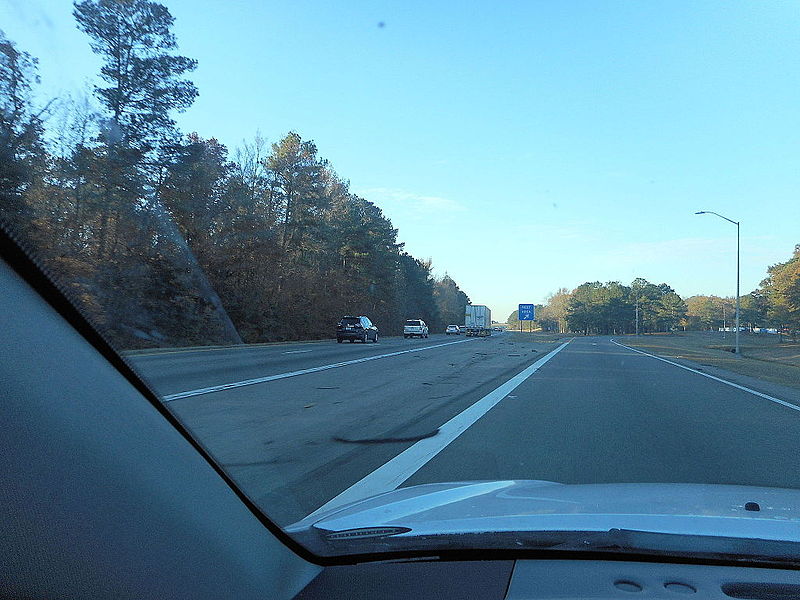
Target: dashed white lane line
column 237, row 384
column 725, row 381
column 390, row 475
column 297, row 351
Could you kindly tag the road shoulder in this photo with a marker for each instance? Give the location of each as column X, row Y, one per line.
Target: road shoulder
column 777, row 390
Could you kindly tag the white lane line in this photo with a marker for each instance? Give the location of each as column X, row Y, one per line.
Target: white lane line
column 297, row 351
column 725, row 381
column 390, row 475
column 237, row 384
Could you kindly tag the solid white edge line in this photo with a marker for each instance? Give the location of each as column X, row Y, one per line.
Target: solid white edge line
column 725, row 381
column 237, row 384
column 391, row 474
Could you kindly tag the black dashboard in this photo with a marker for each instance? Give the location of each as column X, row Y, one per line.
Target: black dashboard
column 550, row 579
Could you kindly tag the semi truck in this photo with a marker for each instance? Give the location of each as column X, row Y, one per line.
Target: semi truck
column 478, row 320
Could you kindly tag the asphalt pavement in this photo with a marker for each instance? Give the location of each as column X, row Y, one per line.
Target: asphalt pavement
column 307, row 425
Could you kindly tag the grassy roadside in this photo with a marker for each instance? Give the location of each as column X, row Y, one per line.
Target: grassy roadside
column 761, row 355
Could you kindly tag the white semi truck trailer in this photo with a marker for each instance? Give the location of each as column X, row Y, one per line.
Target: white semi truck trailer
column 478, row 320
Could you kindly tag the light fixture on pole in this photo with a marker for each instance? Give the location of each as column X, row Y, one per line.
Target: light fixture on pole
column 711, row 212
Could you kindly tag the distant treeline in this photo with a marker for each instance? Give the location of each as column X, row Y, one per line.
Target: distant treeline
column 611, row 308
column 164, row 238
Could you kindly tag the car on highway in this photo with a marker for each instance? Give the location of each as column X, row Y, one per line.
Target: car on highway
column 452, row 330
column 415, row 328
column 356, row 329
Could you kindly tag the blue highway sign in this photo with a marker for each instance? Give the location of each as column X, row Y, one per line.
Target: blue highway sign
column 527, row 312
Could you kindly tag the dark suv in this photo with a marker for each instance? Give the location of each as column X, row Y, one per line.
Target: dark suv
column 356, row 328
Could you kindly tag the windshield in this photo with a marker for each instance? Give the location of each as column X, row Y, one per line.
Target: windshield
column 214, row 185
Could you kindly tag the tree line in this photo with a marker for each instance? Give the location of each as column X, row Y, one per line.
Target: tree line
column 164, row 238
column 613, row 308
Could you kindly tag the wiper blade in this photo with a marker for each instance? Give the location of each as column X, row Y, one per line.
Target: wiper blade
column 628, row 541
column 613, row 541
column 707, row 546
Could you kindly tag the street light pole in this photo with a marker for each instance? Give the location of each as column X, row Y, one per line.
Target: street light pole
column 711, row 212
column 737, row 288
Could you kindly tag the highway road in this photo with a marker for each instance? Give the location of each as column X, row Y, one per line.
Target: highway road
column 307, row 426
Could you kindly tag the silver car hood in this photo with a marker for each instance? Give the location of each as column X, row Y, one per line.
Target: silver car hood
column 478, row 507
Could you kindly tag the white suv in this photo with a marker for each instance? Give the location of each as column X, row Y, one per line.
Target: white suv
column 415, row 327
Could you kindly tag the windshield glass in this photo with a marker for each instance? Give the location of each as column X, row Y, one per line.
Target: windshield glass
column 214, row 185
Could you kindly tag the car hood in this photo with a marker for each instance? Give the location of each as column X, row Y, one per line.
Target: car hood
column 487, row 510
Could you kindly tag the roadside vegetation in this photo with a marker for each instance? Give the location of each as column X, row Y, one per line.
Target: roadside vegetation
column 168, row 239
column 613, row 308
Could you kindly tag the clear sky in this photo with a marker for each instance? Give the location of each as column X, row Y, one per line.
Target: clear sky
column 521, row 146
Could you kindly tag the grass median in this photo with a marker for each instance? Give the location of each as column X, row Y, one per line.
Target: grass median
column 762, row 356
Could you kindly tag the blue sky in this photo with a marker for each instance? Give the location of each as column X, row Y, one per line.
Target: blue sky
column 522, row 147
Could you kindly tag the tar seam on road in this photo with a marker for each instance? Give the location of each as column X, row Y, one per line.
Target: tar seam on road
column 394, row 472
column 725, row 381
column 237, row 384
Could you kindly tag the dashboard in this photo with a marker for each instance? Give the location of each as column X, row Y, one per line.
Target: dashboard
column 550, row 579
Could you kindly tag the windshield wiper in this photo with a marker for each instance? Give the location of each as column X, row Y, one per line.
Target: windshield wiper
column 613, row 541
column 706, row 546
